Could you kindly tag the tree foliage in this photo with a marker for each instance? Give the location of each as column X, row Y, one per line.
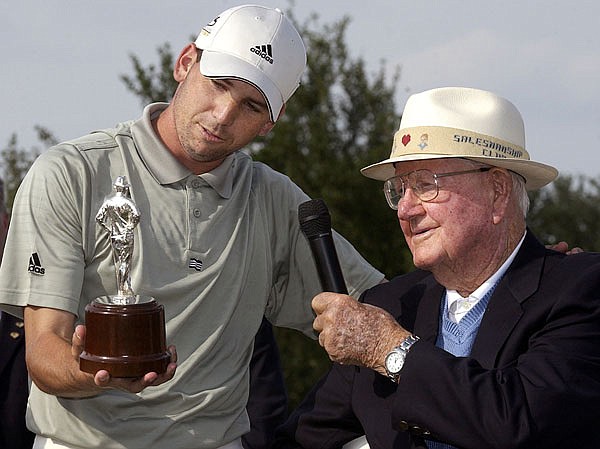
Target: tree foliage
column 568, row 210
column 152, row 83
column 341, row 119
column 16, row 160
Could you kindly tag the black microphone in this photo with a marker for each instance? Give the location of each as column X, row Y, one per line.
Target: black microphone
column 315, row 223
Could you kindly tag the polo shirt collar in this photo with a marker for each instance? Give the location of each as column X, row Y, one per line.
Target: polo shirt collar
column 164, row 167
column 221, row 177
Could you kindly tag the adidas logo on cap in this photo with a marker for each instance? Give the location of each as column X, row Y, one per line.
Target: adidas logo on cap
column 264, row 51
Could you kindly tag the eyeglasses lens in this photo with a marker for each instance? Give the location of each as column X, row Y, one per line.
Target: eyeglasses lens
column 421, row 182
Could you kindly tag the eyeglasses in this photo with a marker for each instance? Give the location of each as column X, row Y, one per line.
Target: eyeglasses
column 424, row 183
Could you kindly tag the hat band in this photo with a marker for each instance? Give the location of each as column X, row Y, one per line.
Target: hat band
column 453, row 142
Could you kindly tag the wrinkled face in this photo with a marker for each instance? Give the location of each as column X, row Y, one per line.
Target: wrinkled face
column 215, row 117
column 456, row 227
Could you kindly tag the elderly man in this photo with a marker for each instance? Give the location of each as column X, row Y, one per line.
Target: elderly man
column 494, row 342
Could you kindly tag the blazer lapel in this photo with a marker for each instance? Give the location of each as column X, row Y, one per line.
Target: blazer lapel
column 428, row 315
column 504, row 310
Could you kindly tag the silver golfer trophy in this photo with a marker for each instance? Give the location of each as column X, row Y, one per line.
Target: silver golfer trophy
column 125, row 333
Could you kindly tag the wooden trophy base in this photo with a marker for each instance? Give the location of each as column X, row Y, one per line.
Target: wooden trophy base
column 127, row 340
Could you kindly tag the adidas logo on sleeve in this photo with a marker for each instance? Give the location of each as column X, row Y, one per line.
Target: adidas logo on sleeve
column 35, row 265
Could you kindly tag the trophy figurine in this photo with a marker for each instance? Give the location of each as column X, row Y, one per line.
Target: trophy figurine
column 125, row 332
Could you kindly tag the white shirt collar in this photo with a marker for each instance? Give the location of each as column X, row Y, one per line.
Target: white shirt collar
column 452, row 295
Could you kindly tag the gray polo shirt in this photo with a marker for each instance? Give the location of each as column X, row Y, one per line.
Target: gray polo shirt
column 239, row 226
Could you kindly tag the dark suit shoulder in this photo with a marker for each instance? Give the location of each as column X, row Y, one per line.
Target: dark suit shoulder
column 587, row 261
column 582, row 271
column 581, row 261
column 405, row 289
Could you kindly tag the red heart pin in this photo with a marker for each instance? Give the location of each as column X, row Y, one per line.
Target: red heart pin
column 405, row 139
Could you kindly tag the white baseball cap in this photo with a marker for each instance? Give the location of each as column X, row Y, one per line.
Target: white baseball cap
column 460, row 122
column 258, row 45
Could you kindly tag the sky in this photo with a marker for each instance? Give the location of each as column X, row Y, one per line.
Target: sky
column 62, row 59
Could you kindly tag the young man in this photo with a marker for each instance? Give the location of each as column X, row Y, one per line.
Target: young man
column 494, row 342
column 218, row 245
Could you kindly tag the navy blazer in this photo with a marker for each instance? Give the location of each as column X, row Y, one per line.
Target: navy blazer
column 268, row 401
column 14, row 385
column 532, row 379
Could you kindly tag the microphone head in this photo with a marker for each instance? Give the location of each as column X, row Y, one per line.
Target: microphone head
column 314, row 218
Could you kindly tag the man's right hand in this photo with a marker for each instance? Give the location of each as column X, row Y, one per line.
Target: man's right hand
column 354, row 333
column 53, row 348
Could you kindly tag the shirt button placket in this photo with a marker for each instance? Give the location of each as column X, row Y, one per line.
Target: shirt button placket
column 196, row 185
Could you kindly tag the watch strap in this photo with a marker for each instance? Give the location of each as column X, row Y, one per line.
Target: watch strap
column 403, row 348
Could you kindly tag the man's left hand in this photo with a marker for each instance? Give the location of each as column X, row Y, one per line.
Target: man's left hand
column 563, row 247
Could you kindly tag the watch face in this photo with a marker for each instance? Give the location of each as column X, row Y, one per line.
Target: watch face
column 394, row 362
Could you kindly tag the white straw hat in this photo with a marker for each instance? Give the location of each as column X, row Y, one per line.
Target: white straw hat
column 258, row 45
column 458, row 122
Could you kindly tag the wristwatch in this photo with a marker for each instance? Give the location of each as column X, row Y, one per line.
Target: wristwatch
column 394, row 361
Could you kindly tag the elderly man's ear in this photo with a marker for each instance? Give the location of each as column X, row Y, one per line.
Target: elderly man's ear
column 502, row 182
